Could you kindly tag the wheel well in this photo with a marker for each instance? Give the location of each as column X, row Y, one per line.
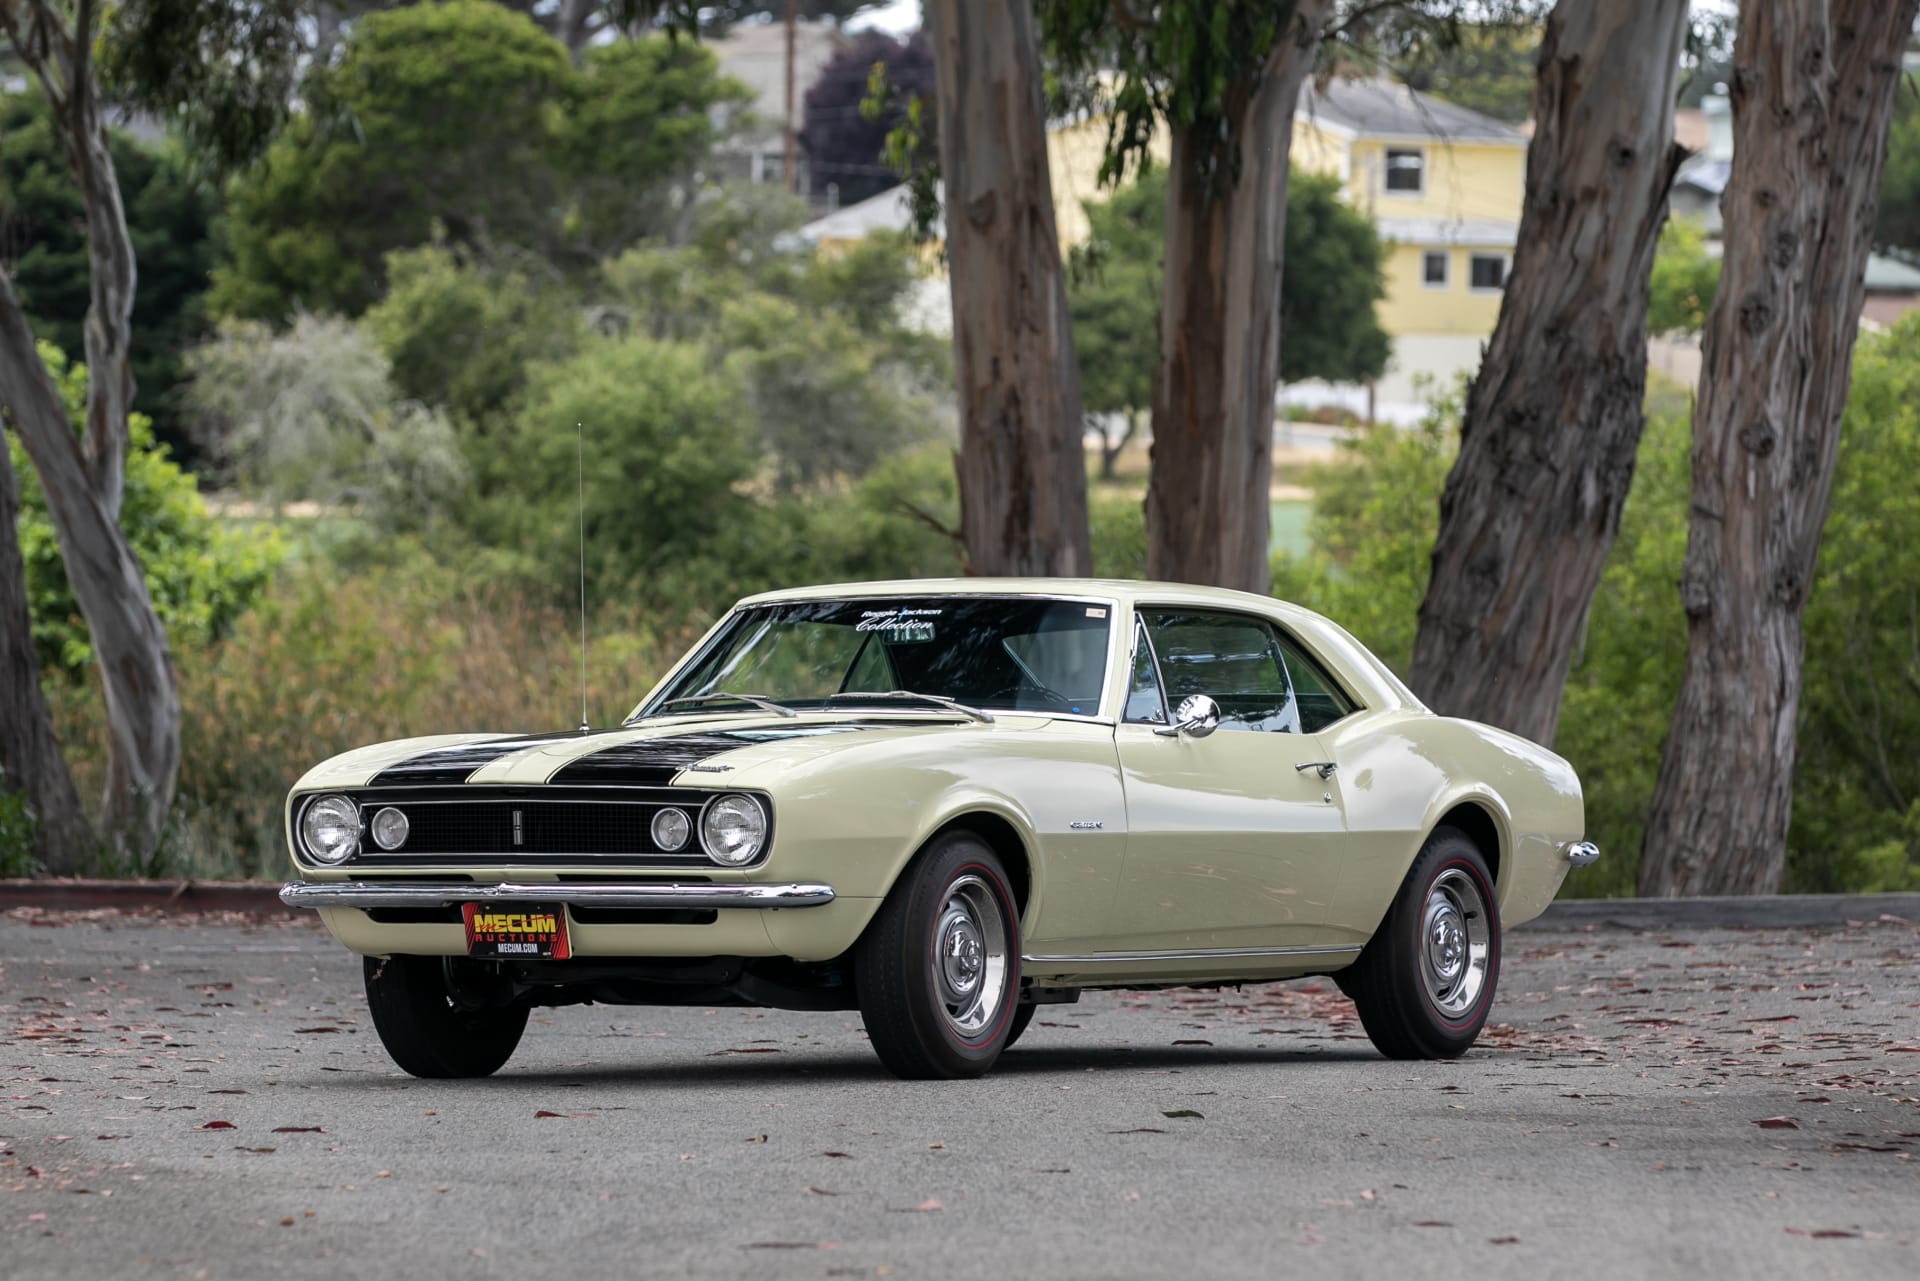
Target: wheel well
column 1005, row 841
column 1480, row 828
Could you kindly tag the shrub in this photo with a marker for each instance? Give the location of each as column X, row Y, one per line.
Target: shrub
column 201, row 574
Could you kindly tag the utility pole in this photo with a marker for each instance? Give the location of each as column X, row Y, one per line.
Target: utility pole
column 793, row 176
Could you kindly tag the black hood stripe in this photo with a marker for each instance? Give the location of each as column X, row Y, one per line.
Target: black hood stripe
column 455, row 764
column 654, row 761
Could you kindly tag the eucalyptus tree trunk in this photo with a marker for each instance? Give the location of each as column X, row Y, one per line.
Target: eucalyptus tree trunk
column 83, row 478
column 1021, row 464
column 1213, row 392
column 30, row 760
column 1555, row 414
column 1812, row 88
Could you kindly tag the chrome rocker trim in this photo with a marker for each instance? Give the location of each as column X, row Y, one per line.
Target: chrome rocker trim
column 367, row 894
column 1204, row 954
column 1581, row 853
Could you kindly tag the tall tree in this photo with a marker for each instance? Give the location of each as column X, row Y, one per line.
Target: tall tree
column 1554, row 415
column 1023, row 484
column 1223, row 79
column 1327, row 294
column 1813, row 91
column 83, row 478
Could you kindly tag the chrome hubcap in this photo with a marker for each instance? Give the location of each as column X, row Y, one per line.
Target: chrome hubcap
column 970, row 956
column 1455, row 943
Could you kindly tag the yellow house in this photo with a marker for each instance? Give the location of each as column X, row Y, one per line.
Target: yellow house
column 1444, row 185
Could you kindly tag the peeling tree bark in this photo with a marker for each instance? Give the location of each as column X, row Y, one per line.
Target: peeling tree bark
column 1554, row 415
column 1207, row 494
column 1813, row 86
column 1021, row 465
column 83, row 478
column 29, row 754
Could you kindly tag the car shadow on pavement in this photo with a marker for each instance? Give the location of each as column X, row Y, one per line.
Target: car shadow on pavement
column 725, row 1069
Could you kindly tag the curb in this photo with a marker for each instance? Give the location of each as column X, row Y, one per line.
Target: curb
column 1777, row 911
column 261, row 898
column 1772, row 911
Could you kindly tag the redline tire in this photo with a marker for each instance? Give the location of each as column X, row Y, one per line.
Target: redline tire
column 426, row 1034
column 1425, row 983
column 1022, row 1016
column 938, row 970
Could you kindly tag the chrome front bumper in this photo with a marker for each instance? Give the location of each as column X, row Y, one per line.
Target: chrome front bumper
column 1581, row 853
column 370, row 894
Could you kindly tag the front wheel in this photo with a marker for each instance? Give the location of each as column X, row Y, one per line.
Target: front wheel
column 1424, row 984
column 433, row 1018
column 938, row 971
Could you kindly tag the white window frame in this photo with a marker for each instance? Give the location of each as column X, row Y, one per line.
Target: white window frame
column 1446, row 268
column 1506, row 273
column 1387, row 171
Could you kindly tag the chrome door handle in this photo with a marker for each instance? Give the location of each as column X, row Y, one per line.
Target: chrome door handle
column 1326, row 768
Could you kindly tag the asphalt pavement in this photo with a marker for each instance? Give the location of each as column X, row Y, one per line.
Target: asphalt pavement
column 202, row 1097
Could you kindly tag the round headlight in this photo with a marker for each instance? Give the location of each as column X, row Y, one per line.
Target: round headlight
column 331, row 829
column 389, row 828
column 733, row 829
column 671, row 828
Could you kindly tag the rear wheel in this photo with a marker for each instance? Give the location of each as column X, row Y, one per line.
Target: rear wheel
column 435, row 1017
column 1425, row 983
column 938, row 971
column 1022, row 1016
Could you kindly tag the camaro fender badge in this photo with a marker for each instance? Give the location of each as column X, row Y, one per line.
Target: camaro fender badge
column 708, row 769
column 1086, row 825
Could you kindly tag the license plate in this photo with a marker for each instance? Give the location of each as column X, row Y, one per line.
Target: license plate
column 516, row 931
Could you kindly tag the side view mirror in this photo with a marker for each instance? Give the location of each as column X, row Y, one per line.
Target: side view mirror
column 1197, row 716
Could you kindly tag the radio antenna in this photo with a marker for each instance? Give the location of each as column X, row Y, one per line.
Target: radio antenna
column 580, row 462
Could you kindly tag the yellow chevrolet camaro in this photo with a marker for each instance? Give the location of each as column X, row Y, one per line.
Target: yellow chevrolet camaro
column 945, row 804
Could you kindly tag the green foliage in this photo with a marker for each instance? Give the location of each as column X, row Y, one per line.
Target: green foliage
column 167, row 217
column 640, row 113
column 1683, row 280
column 1897, row 220
column 310, row 414
column 463, row 121
column 459, row 330
column 1190, row 67
column 202, row 575
column 17, row 827
column 1330, row 281
column 1859, row 827
column 1485, row 67
column 668, row 447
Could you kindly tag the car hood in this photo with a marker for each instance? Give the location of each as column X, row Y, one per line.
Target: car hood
column 707, row 751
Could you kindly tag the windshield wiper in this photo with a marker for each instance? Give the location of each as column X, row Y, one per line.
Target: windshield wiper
column 760, row 701
column 894, row 695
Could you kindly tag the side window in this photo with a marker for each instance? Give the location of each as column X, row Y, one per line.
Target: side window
column 1229, row 658
column 1320, row 700
column 1144, row 704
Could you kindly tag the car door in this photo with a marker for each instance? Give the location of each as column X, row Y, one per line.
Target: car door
column 1233, row 838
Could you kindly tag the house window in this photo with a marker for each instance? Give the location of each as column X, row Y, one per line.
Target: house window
column 1406, row 170
column 1487, row 272
column 1433, row 269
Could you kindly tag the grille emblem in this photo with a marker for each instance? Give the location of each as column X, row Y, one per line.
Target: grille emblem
column 519, row 837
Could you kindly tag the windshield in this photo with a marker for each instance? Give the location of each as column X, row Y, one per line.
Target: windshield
column 988, row 652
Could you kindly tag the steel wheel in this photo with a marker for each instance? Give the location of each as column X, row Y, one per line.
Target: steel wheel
column 1456, row 943
column 1425, row 983
column 970, row 956
column 938, row 971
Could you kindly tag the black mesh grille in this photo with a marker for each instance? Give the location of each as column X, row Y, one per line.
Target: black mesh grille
column 530, row 827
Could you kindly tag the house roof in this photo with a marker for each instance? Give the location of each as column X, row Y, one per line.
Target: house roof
column 1496, row 233
column 1376, row 107
column 888, row 211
